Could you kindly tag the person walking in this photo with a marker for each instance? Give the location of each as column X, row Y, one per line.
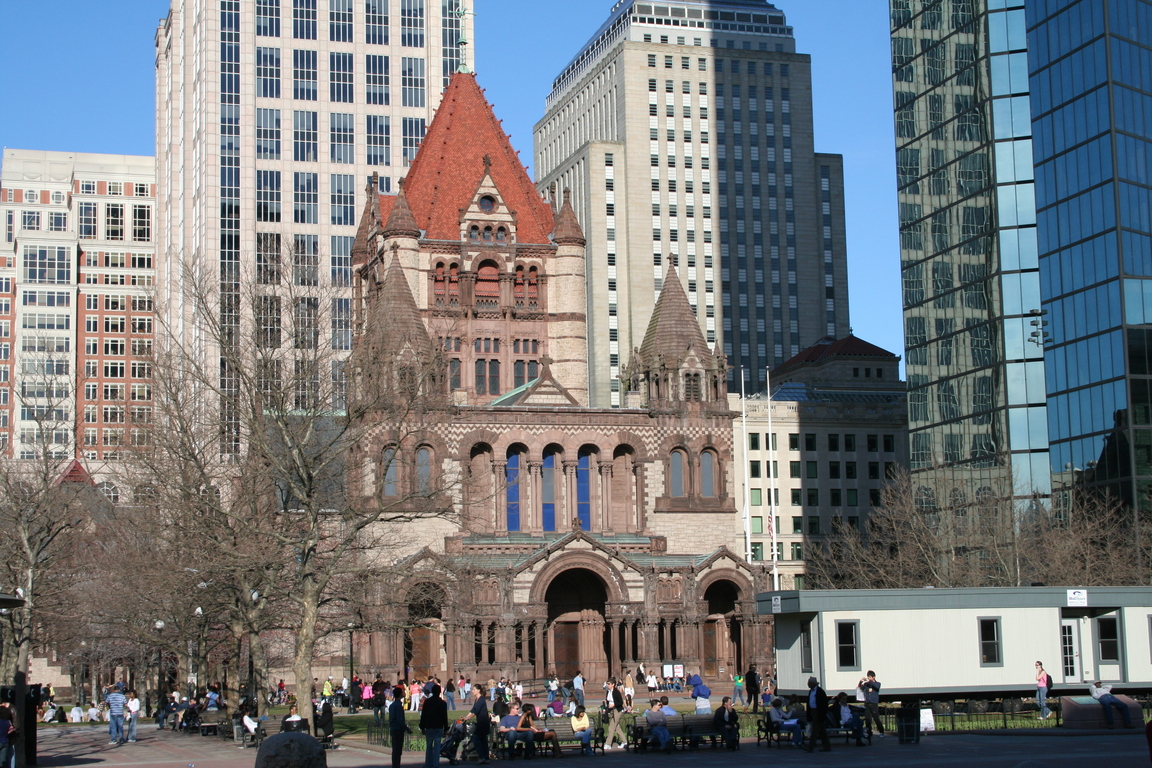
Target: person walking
column 131, row 716
column 871, row 688
column 433, row 722
column 614, row 707
column 738, row 690
column 116, row 702
column 483, row 723
column 1043, row 683
column 396, row 725
column 450, row 694
column 578, row 687
column 752, row 686
column 818, row 715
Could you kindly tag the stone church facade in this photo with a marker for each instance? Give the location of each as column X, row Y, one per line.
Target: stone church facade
column 581, row 538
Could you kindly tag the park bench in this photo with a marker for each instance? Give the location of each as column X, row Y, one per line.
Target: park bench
column 564, row 733
column 212, row 721
column 685, row 730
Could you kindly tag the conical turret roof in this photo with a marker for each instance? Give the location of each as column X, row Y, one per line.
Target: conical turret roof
column 568, row 231
column 401, row 222
column 673, row 329
column 398, row 318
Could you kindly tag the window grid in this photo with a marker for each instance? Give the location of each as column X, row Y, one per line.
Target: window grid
column 342, row 143
column 376, row 79
column 412, row 23
column 340, row 87
column 304, row 19
column 304, row 75
column 340, row 21
column 305, row 137
column 268, row 73
column 378, row 140
column 412, row 81
column 305, row 198
column 343, row 199
column 376, row 22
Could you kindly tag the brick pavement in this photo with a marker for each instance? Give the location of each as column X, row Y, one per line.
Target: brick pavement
column 64, row 747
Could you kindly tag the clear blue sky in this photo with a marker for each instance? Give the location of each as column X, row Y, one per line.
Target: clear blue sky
column 77, row 75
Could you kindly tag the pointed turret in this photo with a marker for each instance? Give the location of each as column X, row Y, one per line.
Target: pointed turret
column 363, row 247
column 401, row 222
column 397, row 320
column 673, row 329
column 568, row 231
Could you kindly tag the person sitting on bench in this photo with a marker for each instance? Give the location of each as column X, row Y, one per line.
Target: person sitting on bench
column 726, row 721
column 658, row 726
column 582, row 727
column 841, row 715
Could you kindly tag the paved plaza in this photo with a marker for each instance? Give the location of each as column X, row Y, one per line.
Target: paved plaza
column 89, row 747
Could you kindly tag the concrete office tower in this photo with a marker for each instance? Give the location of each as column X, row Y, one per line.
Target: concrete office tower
column 684, row 130
column 271, row 116
column 76, row 319
column 968, row 244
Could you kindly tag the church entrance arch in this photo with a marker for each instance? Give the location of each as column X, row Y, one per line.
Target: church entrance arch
column 723, row 641
column 577, row 601
column 424, row 650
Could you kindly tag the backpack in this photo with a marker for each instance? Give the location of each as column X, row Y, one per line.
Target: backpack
column 1048, row 682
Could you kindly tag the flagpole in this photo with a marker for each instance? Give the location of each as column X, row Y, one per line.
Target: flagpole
column 774, row 502
column 744, row 453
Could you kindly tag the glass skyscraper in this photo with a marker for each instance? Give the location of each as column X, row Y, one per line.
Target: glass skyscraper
column 968, row 243
column 1025, row 172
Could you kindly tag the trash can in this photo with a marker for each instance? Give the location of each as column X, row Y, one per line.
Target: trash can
column 908, row 724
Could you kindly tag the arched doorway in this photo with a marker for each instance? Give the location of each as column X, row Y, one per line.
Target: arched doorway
column 577, row 599
column 722, row 652
column 424, row 651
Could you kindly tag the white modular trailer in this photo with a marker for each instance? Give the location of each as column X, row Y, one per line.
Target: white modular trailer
column 958, row 642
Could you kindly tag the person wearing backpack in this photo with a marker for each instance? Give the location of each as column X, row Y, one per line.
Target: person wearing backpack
column 1043, row 684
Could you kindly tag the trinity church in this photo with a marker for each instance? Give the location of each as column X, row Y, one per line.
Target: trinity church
column 580, row 538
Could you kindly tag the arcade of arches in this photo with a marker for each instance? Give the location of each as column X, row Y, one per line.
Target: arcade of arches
column 584, row 608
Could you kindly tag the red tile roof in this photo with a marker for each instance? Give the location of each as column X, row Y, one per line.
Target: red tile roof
column 827, row 347
column 450, row 165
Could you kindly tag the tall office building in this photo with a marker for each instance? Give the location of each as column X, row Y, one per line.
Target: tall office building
column 968, row 243
column 76, row 316
column 1023, row 132
column 271, row 117
column 684, row 131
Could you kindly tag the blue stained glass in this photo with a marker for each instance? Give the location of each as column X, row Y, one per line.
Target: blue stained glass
column 548, row 492
column 512, row 481
column 584, row 492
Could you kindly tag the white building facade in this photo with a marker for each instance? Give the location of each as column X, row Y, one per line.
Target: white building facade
column 77, row 275
column 271, row 117
column 684, row 131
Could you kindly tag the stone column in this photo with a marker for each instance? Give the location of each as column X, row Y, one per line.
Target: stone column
column 614, row 644
column 569, row 497
column 640, row 497
column 535, row 505
column 594, row 493
column 500, row 488
column 505, row 645
column 666, row 636
column 450, row 632
column 606, row 497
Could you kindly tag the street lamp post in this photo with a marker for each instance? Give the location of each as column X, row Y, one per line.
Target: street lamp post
column 158, row 626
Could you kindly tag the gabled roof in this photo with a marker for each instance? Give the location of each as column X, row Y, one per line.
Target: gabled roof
column 827, row 348
column 544, row 390
column 451, row 162
column 75, row 473
column 673, row 328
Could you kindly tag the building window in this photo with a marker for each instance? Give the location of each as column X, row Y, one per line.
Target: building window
column 1108, row 636
column 305, row 314
column 512, row 486
column 813, row 520
column 305, row 137
column 268, row 323
column 141, row 224
column 306, row 261
column 412, row 23
column 412, row 81
column 340, row 21
column 707, row 474
column 268, row 258
column 847, row 645
column 376, row 79
column 376, row 22
column 268, row 196
column 305, row 198
column 268, row 18
column 47, row 264
column 343, row 199
column 584, row 490
column 676, row 467
column 377, row 140
column 413, row 134
column 267, row 134
column 57, row 221
column 86, row 219
column 268, row 73
column 114, row 221
column 341, row 134
column 304, row 19
column 304, row 75
column 390, row 471
column 340, row 74
column 990, row 655
column 805, row 629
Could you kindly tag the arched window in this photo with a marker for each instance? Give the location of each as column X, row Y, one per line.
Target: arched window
column 110, row 491
column 501, row 235
column 548, row 491
column 481, row 377
column 493, row 377
column 487, row 234
column 474, row 233
column 533, row 288
column 439, row 283
column 390, row 471
column 676, row 466
column 488, row 287
column 584, row 490
column 518, row 373
column 692, row 387
column 424, row 471
column 512, row 486
column 519, row 287
column 454, row 285
column 707, row 474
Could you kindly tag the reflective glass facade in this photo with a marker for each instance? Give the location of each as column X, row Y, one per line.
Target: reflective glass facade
column 968, row 242
column 1090, row 67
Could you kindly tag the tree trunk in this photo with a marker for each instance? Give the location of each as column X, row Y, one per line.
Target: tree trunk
column 305, row 648
column 260, row 670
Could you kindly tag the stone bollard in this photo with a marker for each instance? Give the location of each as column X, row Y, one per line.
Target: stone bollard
column 291, row 750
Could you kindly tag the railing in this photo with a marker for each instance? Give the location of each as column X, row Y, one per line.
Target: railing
column 991, row 714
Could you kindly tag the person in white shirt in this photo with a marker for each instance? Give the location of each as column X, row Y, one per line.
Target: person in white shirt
column 131, row 716
column 93, row 714
column 1103, row 694
column 76, row 715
